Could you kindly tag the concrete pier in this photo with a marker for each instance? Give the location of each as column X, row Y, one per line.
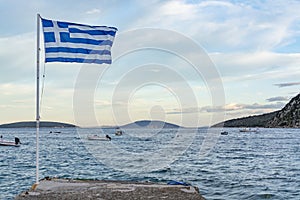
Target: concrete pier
column 52, row 189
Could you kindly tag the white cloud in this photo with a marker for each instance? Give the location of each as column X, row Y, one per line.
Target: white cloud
column 93, row 11
column 17, row 57
column 246, row 33
column 226, row 26
column 287, row 84
column 232, row 107
column 278, row 98
column 257, row 65
column 8, row 89
column 178, row 9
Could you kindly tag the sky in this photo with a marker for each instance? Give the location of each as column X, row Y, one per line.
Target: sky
column 192, row 63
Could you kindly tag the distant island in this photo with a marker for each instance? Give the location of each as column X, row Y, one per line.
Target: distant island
column 32, row 124
column 287, row 117
column 47, row 124
column 150, row 124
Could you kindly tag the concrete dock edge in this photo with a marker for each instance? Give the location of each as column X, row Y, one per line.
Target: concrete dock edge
column 69, row 189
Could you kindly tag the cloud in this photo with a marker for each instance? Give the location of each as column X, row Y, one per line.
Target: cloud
column 255, row 106
column 17, row 54
column 257, row 65
column 287, row 84
column 279, row 98
column 263, row 106
column 9, row 89
column 184, row 111
column 227, row 108
column 227, row 26
column 178, row 9
column 93, row 11
column 247, row 36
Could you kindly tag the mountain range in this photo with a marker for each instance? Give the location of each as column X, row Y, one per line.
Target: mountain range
column 287, row 117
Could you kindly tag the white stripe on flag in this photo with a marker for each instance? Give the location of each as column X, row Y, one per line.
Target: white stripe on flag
column 88, row 28
column 51, row 29
column 78, row 45
column 83, row 28
column 93, row 37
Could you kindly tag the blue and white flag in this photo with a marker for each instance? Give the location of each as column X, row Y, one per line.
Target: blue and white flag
column 70, row 42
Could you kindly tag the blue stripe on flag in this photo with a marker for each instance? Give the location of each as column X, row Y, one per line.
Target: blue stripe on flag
column 67, row 24
column 92, row 32
column 76, row 50
column 78, row 60
column 71, row 42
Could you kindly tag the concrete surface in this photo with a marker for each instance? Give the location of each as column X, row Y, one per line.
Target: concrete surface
column 64, row 189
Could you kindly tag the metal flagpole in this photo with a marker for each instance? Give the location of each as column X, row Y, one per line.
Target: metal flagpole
column 37, row 97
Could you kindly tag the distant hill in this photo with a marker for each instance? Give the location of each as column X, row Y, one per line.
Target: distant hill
column 251, row 121
column 288, row 117
column 150, row 124
column 32, row 124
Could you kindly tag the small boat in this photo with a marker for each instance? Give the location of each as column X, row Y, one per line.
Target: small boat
column 224, row 133
column 100, row 138
column 118, row 132
column 248, row 130
column 8, row 143
column 55, row 132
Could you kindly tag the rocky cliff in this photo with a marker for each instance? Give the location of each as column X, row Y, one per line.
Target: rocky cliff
column 288, row 117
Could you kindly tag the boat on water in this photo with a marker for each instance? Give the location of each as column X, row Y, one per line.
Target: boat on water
column 249, row 130
column 100, row 138
column 55, row 132
column 224, row 133
column 16, row 143
column 118, row 132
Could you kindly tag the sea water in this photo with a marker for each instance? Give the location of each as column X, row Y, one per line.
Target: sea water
column 262, row 165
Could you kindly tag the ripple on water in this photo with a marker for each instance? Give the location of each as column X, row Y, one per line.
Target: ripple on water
column 241, row 166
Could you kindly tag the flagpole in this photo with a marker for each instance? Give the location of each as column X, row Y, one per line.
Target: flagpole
column 37, row 97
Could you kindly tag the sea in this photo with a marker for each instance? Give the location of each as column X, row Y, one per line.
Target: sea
column 239, row 165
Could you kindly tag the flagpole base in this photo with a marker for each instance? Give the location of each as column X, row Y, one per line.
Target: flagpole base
column 34, row 186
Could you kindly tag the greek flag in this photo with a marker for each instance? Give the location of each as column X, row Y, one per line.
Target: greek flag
column 70, row 42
